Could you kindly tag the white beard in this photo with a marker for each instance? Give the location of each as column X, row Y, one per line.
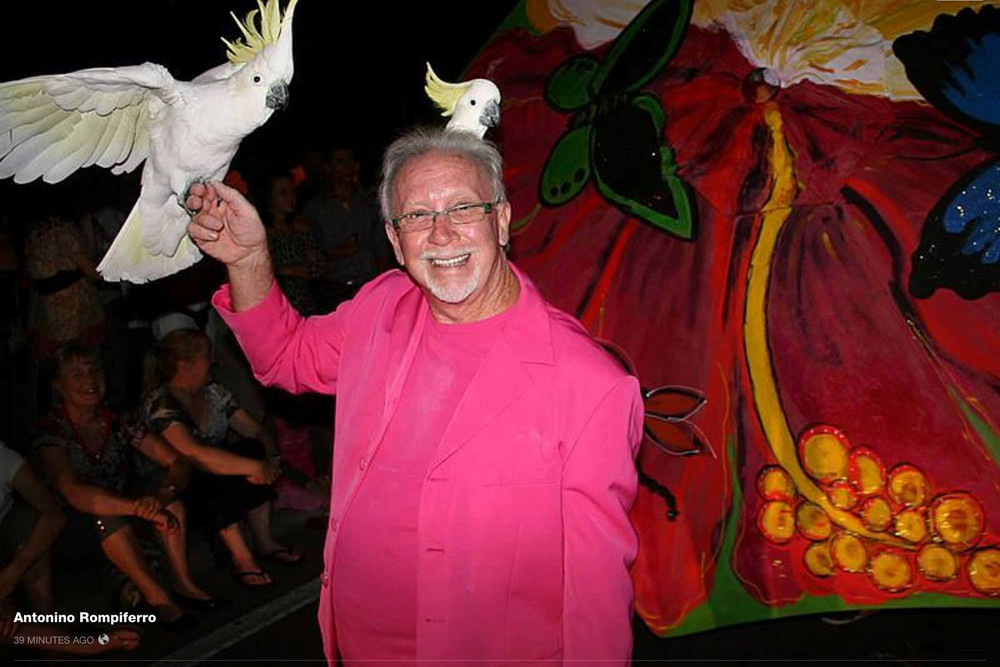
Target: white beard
column 453, row 293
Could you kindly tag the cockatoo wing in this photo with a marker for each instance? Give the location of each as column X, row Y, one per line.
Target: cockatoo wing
column 50, row 126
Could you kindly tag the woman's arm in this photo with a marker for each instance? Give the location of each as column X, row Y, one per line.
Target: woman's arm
column 178, row 469
column 211, row 459
column 50, row 522
column 247, row 427
column 95, row 500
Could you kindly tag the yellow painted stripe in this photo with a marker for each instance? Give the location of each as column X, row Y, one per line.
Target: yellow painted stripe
column 765, row 389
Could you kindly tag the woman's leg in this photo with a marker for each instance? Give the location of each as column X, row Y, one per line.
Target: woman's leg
column 37, row 582
column 259, row 519
column 243, row 560
column 175, row 546
column 122, row 550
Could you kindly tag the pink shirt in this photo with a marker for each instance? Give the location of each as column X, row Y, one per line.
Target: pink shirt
column 381, row 565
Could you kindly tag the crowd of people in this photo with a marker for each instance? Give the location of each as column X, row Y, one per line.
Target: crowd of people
column 127, row 413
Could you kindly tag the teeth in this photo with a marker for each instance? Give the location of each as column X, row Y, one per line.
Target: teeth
column 450, row 262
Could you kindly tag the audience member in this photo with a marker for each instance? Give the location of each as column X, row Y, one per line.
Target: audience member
column 29, row 525
column 230, row 481
column 86, row 452
column 290, row 243
column 347, row 228
column 66, row 305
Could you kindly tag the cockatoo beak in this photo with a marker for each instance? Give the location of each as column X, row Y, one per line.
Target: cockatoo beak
column 277, row 96
column 491, row 115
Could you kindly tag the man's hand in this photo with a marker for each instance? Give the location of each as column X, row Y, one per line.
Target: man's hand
column 227, row 226
column 266, row 473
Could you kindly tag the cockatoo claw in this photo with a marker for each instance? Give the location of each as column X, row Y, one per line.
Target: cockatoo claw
column 182, row 202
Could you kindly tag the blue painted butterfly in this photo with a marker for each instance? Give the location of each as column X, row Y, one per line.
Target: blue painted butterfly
column 956, row 67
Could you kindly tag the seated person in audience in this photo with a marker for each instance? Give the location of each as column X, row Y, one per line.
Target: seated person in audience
column 87, row 454
column 30, row 521
column 229, row 482
column 29, row 525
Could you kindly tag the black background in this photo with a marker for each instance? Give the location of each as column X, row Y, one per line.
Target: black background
column 359, row 66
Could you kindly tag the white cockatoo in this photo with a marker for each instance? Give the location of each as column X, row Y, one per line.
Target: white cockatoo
column 186, row 131
column 474, row 106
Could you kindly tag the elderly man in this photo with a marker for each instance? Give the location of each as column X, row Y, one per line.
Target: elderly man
column 483, row 463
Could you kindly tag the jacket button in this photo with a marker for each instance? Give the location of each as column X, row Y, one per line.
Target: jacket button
column 363, row 464
column 333, row 523
column 325, row 579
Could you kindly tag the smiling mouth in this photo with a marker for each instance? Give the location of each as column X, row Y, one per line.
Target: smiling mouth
column 458, row 260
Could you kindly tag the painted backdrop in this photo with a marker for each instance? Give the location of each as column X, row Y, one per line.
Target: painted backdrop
column 782, row 216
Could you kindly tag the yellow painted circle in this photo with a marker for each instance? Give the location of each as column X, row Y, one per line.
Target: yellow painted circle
column 891, row 571
column 984, row 571
column 777, row 521
column 824, row 457
column 937, row 563
column 876, row 513
column 911, row 526
column 842, row 495
column 818, row 560
column 849, row 553
column 773, row 483
column 908, row 486
column 868, row 477
column 957, row 519
column 813, row 523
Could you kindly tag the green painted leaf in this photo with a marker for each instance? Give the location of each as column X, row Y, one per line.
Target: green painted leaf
column 643, row 47
column 566, row 88
column 567, row 169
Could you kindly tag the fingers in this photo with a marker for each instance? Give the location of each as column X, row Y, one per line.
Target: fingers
column 227, row 194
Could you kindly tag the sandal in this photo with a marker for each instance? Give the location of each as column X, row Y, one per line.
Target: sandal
column 242, row 578
column 284, row 556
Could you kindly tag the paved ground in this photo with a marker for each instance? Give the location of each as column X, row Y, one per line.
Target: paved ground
column 277, row 625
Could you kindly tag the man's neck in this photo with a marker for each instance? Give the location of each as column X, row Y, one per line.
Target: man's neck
column 506, row 292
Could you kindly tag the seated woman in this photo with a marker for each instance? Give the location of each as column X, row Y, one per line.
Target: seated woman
column 84, row 450
column 30, row 522
column 229, row 482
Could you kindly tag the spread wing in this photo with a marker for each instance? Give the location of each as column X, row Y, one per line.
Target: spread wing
column 50, row 126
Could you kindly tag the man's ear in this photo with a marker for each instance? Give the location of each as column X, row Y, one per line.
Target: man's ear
column 503, row 223
column 393, row 235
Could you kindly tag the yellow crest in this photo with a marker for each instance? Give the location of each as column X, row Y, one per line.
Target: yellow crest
column 444, row 95
column 256, row 39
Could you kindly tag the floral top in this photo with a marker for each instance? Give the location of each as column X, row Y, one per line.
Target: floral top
column 161, row 410
column 113, row 466
column 68, row 313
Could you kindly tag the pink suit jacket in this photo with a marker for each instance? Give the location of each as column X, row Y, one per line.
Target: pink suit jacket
column 523, row 529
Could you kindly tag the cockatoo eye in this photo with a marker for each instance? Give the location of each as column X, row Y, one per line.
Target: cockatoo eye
column 257, row 78
column 472, row 103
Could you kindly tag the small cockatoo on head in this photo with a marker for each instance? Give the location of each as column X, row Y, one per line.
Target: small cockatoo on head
column 118, row 117
column 474, row 106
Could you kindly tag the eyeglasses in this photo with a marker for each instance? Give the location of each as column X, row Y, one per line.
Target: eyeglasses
column 461, row 214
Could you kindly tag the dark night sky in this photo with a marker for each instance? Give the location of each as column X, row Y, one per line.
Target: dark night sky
column 359, row 66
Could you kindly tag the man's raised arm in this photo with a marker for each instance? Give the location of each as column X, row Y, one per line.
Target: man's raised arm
column 228, row 228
